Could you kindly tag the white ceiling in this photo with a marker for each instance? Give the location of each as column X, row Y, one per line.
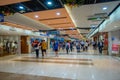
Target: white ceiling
column 112, row 26
column 80, row 14
column 26, row 21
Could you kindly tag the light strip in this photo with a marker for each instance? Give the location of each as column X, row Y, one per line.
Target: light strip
column 70, row 14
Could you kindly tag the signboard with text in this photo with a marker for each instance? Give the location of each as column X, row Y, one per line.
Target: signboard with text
column 115, row 48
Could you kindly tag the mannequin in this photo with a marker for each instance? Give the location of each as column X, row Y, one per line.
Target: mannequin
column 13, row 46
column 8, row 46
column 1, row 47
column 16, row 46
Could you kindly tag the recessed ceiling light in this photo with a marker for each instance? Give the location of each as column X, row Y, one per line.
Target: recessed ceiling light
column 49, row 3
column 21, row 7
column 115, row 26
column 58, row 13
column 104, row 8
column 36, row 16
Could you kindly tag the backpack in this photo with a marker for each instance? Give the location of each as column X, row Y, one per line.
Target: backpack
column 67, row 46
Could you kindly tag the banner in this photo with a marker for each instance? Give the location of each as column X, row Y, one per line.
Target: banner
column 53, row 32
column 115, row 48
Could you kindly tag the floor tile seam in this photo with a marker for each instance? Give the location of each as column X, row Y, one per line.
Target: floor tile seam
column 83, row 59
column 52, row 60
column 58, row 62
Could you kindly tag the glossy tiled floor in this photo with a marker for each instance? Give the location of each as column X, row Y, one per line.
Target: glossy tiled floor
column 77, row 66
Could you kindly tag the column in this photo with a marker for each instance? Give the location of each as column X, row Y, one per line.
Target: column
column 48, row 41
column 19, row 45
column 109, row 43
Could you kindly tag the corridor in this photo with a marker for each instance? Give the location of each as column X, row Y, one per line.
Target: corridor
column 74, row 66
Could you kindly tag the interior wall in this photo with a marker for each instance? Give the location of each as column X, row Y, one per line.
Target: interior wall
column 113, row 38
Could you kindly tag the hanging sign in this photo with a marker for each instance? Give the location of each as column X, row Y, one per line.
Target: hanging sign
column 53, row 32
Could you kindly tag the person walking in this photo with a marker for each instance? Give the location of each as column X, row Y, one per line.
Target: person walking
column 63, row 46
column 55, row 47
column 83, row 45
column 71, row 46
column 100, row 46
column 67, row 47
column 86, row 46
column 43, row 48
column 94, row 43
column 36, row 47
column 78, row 47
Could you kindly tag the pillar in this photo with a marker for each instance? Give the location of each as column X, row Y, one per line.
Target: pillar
column 109, row 43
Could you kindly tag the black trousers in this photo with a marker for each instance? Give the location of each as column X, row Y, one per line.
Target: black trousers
column 86, row 48
column 100, row 50
column 37, row 53
column 43, row 50
column 71, row 48
column 67, row 50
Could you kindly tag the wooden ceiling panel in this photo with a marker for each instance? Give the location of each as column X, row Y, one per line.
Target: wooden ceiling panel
column 6, row 2
column 56, row 21
column 53, row 20
column 71, row 32
column 64, row 26
column 48, row 14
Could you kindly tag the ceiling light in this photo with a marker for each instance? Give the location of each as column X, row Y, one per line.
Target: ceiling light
column 21, row 7
column 49, row 3
column 36, row 16
column 58, row 13
column 104, row 8
column 115, row 26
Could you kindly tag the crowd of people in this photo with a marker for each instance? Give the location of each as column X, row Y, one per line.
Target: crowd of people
column 68, row 46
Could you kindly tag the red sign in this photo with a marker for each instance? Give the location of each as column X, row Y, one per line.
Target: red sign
column 115, row 48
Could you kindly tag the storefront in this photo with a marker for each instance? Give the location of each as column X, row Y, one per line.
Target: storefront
column 104, row 37
column 9, row 45
column 114, row 43
column 112, row 27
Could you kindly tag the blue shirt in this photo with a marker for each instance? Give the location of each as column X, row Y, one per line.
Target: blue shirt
column 56, row 45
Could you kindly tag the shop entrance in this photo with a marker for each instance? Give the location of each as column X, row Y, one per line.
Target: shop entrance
column 8, row 45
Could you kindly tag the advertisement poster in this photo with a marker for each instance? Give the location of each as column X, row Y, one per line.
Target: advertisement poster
column 115, row 48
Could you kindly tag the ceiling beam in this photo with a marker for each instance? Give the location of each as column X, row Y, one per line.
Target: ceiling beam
column 83, row 27
column 10, row 8
column 53, row 18
column 60, row 23
column 62, row 29
column 42, row 4
column 27, row 7
column 61, row 3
